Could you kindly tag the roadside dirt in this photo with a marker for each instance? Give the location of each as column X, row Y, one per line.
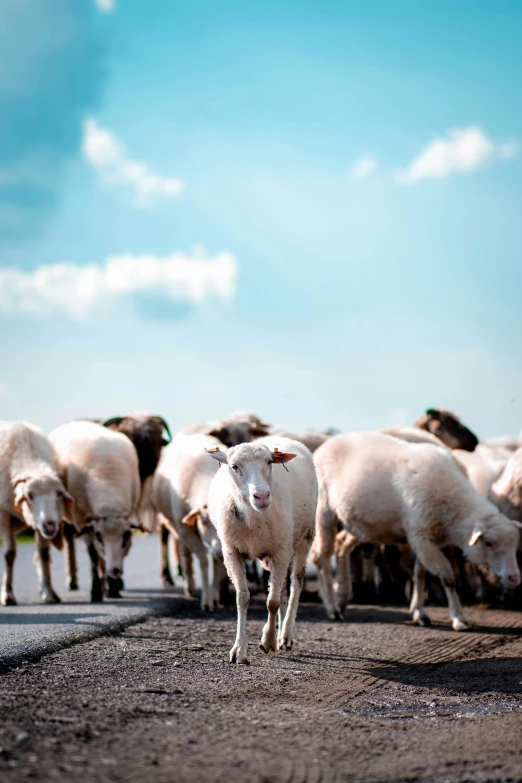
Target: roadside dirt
column 370, row 699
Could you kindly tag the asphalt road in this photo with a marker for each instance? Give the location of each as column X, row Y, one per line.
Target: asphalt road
column 31, row 629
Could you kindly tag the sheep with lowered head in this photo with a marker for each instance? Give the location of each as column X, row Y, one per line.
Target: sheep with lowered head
column 100, row 469
column 262, row 509
column 384, row 490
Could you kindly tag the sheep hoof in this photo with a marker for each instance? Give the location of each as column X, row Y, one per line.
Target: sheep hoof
column 285, row 644
column 72, row 585
column 8, row 600
column 460, row 625
column 241, row 659
column 167, row 579
column 338, row 616
column 51, row 598
column 421, row 619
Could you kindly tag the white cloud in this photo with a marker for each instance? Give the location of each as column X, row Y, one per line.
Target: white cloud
column 364, row 167
column 106, row 154
column 106, row 6
column 78, row 291
column 463, row 149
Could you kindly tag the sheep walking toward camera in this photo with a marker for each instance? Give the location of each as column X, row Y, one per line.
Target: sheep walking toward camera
column 262, row 509
column 100, row 469
column 31, row 495
column 384, row 491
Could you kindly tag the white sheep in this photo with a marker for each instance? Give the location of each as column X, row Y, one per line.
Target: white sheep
column 100, row 470
column 179, row 494
column 261, row 509
column 386, row 491
column 31, row 495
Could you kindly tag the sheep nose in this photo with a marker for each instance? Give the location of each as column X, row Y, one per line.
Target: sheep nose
column 115, row 572
column 49, row 527
column 261, row 495
column 513, row 580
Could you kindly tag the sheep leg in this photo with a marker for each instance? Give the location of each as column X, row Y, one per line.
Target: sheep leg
column 286, row 635
column 235, row 565
column 278, row 574
column 7, row 596
column 419, row 616
column 166, row 576
column 283, row 606
column 437, row 563
column 42, row 560
column 97, row 583
column 187, row 568
column 326, row 529
column 71, row 567
column 344, row 548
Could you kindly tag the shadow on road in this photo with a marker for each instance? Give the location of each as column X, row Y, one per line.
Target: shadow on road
column 479, row 675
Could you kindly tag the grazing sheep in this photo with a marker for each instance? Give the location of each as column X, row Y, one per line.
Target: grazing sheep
column 31, row 495
column 147, row 432
column 179, row 494
column 265, row 512
column 100, row 469
column 383, row 490
column 448, row 428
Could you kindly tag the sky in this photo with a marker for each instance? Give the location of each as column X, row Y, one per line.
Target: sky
column 306, row 209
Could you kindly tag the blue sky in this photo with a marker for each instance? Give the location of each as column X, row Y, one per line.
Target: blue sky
column 307, row 209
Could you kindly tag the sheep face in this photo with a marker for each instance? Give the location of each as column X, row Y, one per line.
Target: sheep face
column 113, row 539
column 235, row 433
column 448, row 428
column 41, row 501
column 494, row 541
column 250, row 468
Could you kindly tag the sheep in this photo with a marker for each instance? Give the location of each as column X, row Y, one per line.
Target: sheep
column 31, row 495
column 149, row 434
column 179, row 495
column 384, row 490
column 312, row 440
column 100, row 469
column 267, row 513
column 506, row 491
column 448, row 428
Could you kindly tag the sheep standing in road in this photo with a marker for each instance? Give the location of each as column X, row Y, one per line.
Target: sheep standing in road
column 31, row 495
column 261, row 509
column 383, row 490
column 179, row 494
column 149, row 434
column 100, row 469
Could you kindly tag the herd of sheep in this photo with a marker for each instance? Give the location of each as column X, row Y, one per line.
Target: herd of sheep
column 387, row 509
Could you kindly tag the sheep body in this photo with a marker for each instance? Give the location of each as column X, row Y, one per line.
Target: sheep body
column 100, row 469
column 32, row 495
column 180, row 488
column 384, row 491
column 265, row 513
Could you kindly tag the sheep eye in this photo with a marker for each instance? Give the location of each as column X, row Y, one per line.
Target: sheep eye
column 489, row 544
column 126, row 538
column 270, row 462
column 235, row 467
column 30, row 496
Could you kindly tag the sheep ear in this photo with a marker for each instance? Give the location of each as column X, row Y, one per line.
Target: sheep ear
column 191, row 519
column 217, row 454
column 474, row 537
column 19, row 497
column 434, row 425
column 282, row 456
column 517, row 524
